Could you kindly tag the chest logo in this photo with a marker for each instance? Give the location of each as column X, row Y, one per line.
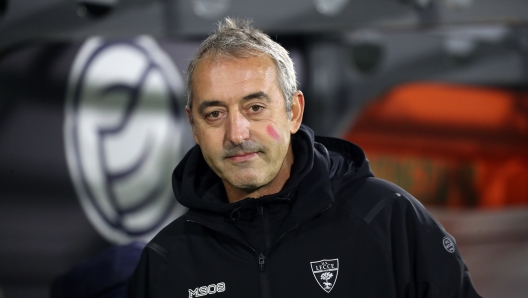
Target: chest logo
column 325, row 273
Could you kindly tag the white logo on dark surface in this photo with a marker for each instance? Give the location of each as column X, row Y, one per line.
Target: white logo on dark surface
column 448, row 244
column 123, row 136
column 207, row 290
column 325, row 272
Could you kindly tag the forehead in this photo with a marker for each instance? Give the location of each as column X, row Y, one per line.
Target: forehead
column 216, row 75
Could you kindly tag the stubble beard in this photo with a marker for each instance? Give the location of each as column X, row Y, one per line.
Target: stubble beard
column 250, row 177
column 238, row 178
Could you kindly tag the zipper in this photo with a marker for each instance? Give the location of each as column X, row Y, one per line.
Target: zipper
column 262, row 259
column 265, row 220
column 264, row 284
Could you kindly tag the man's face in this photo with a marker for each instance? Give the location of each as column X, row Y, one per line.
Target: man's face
column 240, row 120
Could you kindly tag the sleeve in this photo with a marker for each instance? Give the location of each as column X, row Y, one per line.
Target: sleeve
column 151, row 259
column 426, row 260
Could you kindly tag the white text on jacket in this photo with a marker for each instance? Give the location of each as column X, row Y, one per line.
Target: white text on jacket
column 206, row 290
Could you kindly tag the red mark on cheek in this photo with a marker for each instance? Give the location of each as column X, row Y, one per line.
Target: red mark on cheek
column 272, row 132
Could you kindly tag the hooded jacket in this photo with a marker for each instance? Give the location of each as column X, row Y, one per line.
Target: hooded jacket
column 334, row 230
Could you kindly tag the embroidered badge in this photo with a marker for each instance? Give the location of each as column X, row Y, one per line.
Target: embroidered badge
column 325, row 273
column 448, row 244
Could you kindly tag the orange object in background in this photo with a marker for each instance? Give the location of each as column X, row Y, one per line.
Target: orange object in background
column 449, row 144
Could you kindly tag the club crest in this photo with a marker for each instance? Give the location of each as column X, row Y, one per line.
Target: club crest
column 325, row 273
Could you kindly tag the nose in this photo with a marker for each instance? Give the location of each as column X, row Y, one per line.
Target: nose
column 237, row 128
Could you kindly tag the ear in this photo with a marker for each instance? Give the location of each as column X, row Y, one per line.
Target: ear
column 191, row 122
column 297, row 111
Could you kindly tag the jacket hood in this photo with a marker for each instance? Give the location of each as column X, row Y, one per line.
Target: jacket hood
column 197, row 187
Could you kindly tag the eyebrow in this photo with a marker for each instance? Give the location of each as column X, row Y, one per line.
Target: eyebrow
column 208, row 103
column 256, row 95
column 214, row 103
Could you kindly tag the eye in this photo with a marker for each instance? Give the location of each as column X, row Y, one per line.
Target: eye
column 213, row 115
column 256, row 108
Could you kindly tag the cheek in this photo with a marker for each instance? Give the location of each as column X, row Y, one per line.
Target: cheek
column 273, row 133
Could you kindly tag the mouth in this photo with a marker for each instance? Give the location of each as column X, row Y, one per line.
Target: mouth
column 243, row 156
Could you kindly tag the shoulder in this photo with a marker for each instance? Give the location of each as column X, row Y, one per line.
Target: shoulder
column 401, row 223
column 422, row 252
column 367, row 195
column 153, row 257
column 382, row 205
column 166, row 239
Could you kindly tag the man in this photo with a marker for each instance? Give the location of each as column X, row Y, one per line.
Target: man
column 277, row 212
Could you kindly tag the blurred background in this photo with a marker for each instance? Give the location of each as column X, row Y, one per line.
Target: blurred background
column 92, row 118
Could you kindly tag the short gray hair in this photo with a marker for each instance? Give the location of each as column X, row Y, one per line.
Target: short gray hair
column 238, row 39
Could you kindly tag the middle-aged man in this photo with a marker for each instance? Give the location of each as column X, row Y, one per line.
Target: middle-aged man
column 277, row 212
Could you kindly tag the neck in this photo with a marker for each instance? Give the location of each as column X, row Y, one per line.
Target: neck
column 274, row 186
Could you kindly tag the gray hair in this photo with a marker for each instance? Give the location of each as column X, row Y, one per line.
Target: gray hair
column 238, row 39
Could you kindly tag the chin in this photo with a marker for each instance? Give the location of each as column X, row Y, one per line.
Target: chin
column 247, row 183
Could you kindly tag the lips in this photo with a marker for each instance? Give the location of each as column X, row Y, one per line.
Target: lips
column 239, row 157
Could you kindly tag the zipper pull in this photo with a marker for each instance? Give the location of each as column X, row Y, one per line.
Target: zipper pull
column 261, row 262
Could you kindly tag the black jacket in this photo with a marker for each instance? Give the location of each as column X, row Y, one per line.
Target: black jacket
column 332, row 231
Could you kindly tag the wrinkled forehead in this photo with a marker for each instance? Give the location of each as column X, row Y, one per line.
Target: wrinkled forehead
column 217, row 67
column 234, row 54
